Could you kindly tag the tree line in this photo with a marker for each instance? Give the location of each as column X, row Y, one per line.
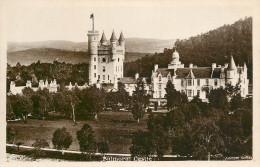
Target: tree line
column 198, row 130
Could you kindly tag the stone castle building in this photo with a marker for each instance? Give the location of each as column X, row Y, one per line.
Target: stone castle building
column 193, row 80
column 106, row 59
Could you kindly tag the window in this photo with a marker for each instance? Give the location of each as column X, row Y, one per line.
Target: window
column 121, row 68
column 243, row 90
column 118, row 59
column 104, row 69
column 198, row 82
column 169, row 77
column 94, row 75
column 198, row 93
column 98, row 76
column 108, row 77
column 160, row 86
column 160, row 94
column 189, row 82
column 182, row 91
column 95, row 59
column 207, row 81
column 116, row 68
column 94, row 66
column 216, row 82
column 189, row 93
column 244, row 80
column 103, row 60
column 104, row 77
column 160, row 78
column 182, row 82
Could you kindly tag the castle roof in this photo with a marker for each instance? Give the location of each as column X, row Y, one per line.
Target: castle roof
column 103, row 38
column 132, row 80
column 232, row 65
column 113, row 36
column 121, row 38
column 199, row 72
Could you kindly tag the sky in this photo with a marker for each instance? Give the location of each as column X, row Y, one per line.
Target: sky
column 71, row 22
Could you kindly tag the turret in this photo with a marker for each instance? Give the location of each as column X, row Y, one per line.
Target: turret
column 231, row 72
column 122, row 41
column 113, row 41
column 103, row 39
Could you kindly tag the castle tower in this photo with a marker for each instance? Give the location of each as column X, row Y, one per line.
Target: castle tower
column 103, row 40
column 175, row 63
column 113, row 41
column 122, row 41
column 232, row 72
column 93, row 53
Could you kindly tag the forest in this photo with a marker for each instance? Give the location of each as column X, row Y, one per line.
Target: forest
column 215, row 46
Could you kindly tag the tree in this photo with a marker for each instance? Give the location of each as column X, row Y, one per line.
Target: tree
column 38, row 145
column 21, row 106
column 10, row 134
column 207, row 138
column 93, row 100
column 61, row 139
column 9, row 110
column 142, row 145
column 182, row 143
column 174, row 97
column 140, row 101
column 87, row 141
column 158, row 130
column 218, row 98
column 138, row 111
column 103, row 147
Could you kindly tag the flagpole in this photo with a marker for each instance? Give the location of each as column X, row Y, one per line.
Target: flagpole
column 93, row 23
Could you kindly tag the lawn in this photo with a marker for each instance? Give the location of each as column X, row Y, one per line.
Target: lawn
column 115, row 127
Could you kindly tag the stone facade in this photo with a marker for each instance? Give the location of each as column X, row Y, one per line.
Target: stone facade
column 106, row 60
column 195, row 80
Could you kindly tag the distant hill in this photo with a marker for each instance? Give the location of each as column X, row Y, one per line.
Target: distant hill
column 139, row 45
column 48, row 55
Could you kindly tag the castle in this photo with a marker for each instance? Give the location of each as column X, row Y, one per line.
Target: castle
column 106, row 60
column 194, row 81
column 106, row 66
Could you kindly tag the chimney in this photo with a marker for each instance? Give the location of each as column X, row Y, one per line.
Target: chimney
column 214, row 65
column 136, row 76
column 155, row 67
column 29, row 84
column 226, row 65
column 191, row 65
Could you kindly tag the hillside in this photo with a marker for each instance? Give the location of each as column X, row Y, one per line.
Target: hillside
column 202, row 50
column 48, row 55
column 139, row 45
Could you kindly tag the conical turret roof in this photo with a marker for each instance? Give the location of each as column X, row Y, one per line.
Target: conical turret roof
column 232, row 65
column 121, row 38
column 113, row 36
column 103, row 38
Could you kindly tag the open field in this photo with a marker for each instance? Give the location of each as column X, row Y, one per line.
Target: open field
column 115, row 127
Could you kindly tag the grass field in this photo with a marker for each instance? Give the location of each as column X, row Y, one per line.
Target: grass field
column 115, row 127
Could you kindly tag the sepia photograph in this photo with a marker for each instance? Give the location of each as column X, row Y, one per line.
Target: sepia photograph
column 129, row 81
